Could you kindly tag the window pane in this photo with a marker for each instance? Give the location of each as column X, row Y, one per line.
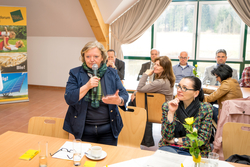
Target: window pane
column 174, row 29
column 248, row 45
column 132, row 68
column 220, row 28
column 141, row 47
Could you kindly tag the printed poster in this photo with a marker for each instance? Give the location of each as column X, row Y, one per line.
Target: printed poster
column 13, row 55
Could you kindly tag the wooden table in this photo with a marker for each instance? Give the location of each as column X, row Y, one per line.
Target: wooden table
column 14, row 144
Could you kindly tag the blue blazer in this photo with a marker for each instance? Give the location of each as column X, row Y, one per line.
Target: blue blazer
column 76, row 115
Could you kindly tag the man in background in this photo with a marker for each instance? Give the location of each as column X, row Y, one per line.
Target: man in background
column 182, row 69
column 221, row 58
column 149, row 65
column 115, row 63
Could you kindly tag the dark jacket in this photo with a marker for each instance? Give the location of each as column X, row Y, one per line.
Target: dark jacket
column 76, row 115
column 144, row 67
column 120, row 65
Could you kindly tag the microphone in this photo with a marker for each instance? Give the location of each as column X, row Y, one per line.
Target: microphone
column 95, row 68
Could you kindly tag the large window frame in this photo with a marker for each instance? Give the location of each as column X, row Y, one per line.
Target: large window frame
column 242, row 62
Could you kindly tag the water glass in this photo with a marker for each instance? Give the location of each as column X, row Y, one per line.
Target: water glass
column 207, row 83
column 77, row 152
column 43, row 153
column 213, row 159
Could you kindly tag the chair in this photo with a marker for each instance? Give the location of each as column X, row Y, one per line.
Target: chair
column 235, row 110
column 134, row 124
column 154, row 105
column 236, row 137
column 47, row 126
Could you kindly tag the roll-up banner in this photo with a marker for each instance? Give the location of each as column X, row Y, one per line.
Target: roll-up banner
column 13, row 55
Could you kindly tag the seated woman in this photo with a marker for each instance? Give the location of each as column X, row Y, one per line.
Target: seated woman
column 163, row 82
column 186, row 104
column 93, row 115
column 229, row 88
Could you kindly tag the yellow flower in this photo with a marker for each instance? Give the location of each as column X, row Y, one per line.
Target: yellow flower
column 182, row 165
column 189, row 121
column 197, row 160
column 196, row 65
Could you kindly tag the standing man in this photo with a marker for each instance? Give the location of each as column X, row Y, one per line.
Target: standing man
column 221, row 58
column 115, row 63
column 182, row 69
column 149, row 65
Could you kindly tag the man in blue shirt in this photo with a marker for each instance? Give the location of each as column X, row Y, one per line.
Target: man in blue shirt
column 182, row 69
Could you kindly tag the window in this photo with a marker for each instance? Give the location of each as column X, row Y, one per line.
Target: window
column 175, row 29
column 219, row 28
column 198, row 27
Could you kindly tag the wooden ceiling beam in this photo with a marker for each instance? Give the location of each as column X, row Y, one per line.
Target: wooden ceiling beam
column 99, row 28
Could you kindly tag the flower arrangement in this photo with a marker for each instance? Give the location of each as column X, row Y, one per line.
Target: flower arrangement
column 193, row 136
column 195, row 71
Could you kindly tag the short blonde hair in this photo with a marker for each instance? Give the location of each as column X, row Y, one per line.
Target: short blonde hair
column 91, row 45
column 21, row 44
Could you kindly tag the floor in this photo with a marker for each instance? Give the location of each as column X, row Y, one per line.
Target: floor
column 44, row 101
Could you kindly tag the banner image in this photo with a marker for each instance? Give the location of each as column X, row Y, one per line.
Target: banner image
column 13, row 55
column 15, row 87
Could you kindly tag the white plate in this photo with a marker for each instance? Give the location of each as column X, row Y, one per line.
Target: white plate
column 88, row 155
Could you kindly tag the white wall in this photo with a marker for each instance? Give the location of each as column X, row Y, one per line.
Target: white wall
column 51, row 58
column 57, row 30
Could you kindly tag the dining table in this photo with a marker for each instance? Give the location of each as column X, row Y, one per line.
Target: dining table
column 14, row 144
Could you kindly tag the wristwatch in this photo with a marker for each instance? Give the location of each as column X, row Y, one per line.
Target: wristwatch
column 121, row 101
column 176, row 141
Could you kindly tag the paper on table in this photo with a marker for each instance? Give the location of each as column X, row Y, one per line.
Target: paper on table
column 69, row 145
column 164, row 158
column 189, row 163
column 138, row 162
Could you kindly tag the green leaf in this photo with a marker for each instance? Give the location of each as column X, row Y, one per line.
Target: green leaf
column 200, row 143
column 191, row 150
column 191, row 137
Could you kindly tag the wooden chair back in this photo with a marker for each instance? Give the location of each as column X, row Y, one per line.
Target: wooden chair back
column 47, row 126
column 134, row 124
column 235, row 139
column 154, row 105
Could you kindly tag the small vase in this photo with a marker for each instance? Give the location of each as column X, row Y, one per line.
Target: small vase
column 197, row 161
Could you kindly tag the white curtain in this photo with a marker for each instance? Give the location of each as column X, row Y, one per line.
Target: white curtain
column 242, row 7
column 131, row 25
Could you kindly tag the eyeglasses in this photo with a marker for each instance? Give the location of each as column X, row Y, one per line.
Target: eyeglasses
column 184, row 89
column 183, row 57
column 65, row 150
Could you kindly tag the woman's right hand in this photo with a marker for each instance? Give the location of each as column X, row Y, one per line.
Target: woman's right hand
column 173, row 105
column 93, row 82
column 149, row 72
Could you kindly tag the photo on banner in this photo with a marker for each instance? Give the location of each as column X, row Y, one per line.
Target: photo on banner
column 13, row 55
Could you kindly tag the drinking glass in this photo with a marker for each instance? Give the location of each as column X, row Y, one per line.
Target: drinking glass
column 213, row 159
column 77, row 152
column 207, row 82
column 43, row 153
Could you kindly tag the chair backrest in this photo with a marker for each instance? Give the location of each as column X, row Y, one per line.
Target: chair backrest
column 236, row 139
column 153, row 106
column 47, row 126
column 134, row 124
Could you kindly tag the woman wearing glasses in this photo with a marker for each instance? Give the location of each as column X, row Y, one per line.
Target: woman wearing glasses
column 188, row 103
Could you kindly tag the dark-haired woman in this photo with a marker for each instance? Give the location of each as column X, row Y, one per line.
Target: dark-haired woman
column 229, row 88
column 188, row 103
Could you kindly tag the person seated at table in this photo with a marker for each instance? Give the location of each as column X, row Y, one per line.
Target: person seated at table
column 229, row 88
column 245, row 78
column 188, row 103
column 93, row 115
column 163, row 83
column 183, row 68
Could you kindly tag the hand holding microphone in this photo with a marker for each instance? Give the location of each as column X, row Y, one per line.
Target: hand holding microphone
column 95, row 68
